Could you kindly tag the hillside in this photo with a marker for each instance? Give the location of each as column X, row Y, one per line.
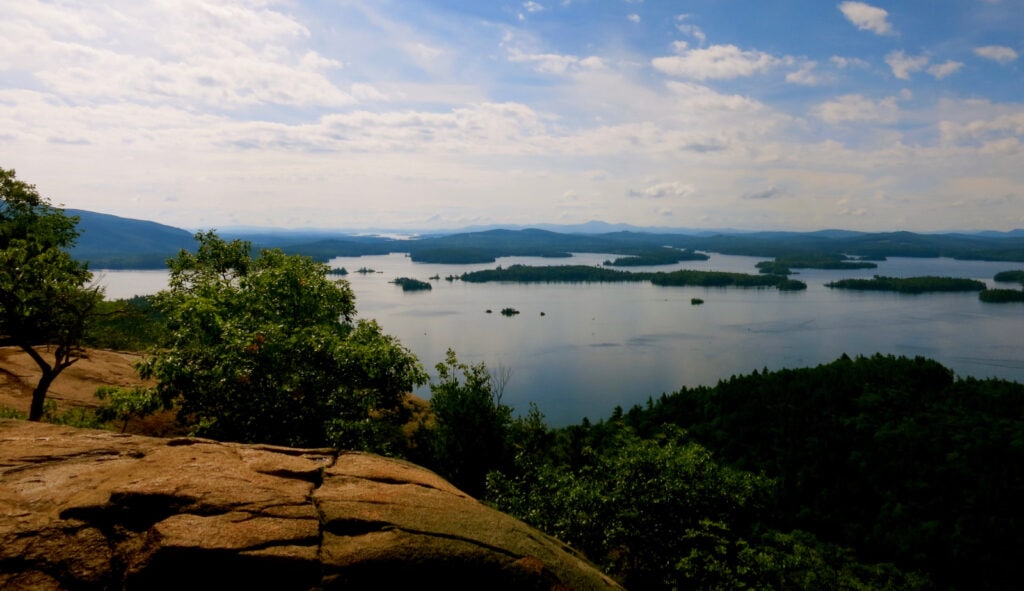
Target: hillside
column 112, row 242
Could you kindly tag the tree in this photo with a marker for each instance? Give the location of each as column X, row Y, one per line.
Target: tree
column 45, row 296
column 266, row 349
column 469, row 437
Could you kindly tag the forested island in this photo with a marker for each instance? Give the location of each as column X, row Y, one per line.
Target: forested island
column 587, row 274
column 410, row 284
column 912, row 285
column 660, row 256
column 784, row 265
column 1015, row 276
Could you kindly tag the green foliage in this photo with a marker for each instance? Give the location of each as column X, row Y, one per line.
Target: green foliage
column 265, row 349
column 409, row 284
column 585, row 274
column 912, row 285
column 122, row 404
column 469, row 435
column 133, row 324
column 1001, row 296
column 552, row 274
column 722, row 279
column 783, row 265
column 661, row 513
column 657, row 256
column 892, row 457
column 7, row 412
column 79, row 417
column 1015, row 276
column 44, row 293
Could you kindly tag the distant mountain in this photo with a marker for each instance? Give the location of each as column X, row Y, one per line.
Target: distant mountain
column 112, row 242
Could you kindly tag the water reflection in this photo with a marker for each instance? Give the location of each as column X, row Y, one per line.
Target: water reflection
column 597, row 346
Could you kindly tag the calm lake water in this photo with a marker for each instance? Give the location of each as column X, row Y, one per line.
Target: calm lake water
column 597, row 346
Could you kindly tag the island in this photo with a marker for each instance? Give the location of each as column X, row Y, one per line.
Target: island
column 665, row 255
column 784, row 265
column 1015, row 276
column 1002, row 296
column 409, row 284
column 911, row 285
column 587, row 274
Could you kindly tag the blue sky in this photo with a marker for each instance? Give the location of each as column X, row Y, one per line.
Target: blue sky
column 433, row 114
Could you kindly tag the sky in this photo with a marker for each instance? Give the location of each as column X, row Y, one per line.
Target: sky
column 440, row 114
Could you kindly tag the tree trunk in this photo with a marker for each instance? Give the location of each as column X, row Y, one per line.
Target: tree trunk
column 63, row 358
column 39, row 394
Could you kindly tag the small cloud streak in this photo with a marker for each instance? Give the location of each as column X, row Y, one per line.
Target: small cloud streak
column 902, row 64
column 996, row 53
column 664, row 190
column 940, row 71
column 857, row 108
column 848, row 62
column 718, row 62
column 688, row 29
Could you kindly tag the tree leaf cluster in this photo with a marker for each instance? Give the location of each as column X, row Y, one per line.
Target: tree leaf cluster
column 267, row 349
column 45, row 296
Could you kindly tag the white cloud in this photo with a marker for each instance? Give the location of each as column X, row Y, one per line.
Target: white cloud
column 555, row 63
column 533, row 6
column 805, row 76
column 688, row 29
column 848, row 62
column 226, row 55
column 984, row 128
column 867, row 18
column 704, row 100
column 633, row 18
column 998, row 53
column 857, row 108
column 902, row 64
column 717, row 62
column 664, row 190
column 940, row 71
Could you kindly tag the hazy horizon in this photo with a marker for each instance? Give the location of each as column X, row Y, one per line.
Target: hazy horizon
column 434, row 115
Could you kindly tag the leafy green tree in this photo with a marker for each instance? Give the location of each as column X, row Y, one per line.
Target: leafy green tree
column 122, row 404
column 469, row 434
column 266, row 349
column 45, row 296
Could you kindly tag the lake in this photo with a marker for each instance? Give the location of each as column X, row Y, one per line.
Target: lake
column 579, row 350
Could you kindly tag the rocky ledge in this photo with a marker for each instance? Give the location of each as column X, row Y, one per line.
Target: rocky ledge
column 83, row 509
